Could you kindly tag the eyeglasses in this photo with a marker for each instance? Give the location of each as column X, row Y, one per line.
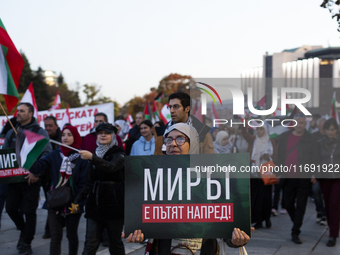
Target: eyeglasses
column 175, row 107
column 179, row 140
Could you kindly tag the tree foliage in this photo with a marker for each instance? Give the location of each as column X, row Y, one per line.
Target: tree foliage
column 42, row 95
column 334, row 8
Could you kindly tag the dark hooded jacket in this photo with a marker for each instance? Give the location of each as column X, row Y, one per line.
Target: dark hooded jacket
column 17, row 141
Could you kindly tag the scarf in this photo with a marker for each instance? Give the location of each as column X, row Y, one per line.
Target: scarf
column 262, row 145
column 76, row 140
column 124, row 128
column 223, row 149
column 102, row 149
column 171, row 123
column 66, row 165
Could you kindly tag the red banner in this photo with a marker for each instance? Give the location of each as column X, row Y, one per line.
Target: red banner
column 169, row 213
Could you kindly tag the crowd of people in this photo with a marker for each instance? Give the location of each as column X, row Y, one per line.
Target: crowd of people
column 94, row 170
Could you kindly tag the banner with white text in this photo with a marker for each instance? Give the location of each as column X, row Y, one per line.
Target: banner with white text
column 10, row 171
column 81, row 117
column 176, row 197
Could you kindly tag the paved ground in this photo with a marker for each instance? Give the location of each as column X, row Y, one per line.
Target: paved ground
column 264, row 241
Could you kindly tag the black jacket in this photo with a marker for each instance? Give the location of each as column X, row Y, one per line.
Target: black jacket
column 52, row 163
column 105, row 186
column 304, row 149
column 327, row 159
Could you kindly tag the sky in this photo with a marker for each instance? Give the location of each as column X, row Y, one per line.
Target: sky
column 127, row 47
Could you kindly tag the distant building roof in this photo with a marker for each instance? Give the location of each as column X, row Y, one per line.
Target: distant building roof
column 292, row 50
column 324, row 53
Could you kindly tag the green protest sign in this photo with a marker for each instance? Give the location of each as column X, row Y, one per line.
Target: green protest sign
column 10, row 171
column 187, row 196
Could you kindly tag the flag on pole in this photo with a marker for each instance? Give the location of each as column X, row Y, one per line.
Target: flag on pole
column 260, row 104
column 159, row 97
column 29, row 98
column 334, row 111
column 214, row 114
column 57, row 103
column 165, row 114
column 11, row 65
column 66, row 118
column 129, row 119
column 155, row 111
column 198, row 113
column 32, row 147
column 147, row 111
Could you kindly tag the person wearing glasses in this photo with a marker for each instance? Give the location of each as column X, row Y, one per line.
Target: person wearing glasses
column 182, row 139
column 145, row 145
column 179, row 106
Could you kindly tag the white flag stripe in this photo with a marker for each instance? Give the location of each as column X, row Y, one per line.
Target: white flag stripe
column 3, row 73
column 26, row 148
column 28, row 97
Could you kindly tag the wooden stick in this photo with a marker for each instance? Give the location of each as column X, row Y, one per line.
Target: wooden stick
column 61, row 144
column 10, row 122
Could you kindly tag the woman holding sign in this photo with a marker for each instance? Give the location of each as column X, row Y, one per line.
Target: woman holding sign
column 181, row 139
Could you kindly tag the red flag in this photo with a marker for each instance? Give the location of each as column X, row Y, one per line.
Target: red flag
column 57, row 103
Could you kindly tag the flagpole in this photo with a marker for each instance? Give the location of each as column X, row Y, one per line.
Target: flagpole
column 10, row 122
column 61, row 144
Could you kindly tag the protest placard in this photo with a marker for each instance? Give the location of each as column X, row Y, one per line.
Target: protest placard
column 187, row 196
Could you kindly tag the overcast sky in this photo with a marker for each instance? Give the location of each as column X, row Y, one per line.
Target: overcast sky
column 127, row 47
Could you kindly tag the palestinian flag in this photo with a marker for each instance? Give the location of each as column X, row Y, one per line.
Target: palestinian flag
column 159, row 97
column 11, row 65
column 155, row 111
column 334, row 111
column 31, row 148
column 147, row 111
column 260, row 104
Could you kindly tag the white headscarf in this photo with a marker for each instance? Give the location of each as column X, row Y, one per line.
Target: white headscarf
column 124, row 128
column 217, row 144
column 262, row 145
column 190, row 132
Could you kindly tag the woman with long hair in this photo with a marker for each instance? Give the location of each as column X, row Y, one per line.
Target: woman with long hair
column 67, row 168
column 145, row 145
